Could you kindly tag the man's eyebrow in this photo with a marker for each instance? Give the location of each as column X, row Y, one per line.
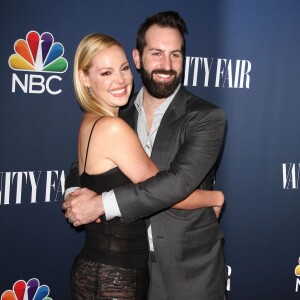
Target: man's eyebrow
column 160, row 50
column 156, row 49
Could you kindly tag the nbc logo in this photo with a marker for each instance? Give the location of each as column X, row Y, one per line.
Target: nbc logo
column 30, row 290
column 38, row 53
column 297, row 273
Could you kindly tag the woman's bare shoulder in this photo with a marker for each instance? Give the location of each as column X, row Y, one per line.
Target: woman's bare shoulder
column 104, row 122
column 112, row 125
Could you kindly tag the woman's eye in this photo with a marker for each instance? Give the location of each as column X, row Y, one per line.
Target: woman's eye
column 105, row 73
column 126, row 68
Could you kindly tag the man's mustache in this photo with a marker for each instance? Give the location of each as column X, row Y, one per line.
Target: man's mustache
column 164, row 72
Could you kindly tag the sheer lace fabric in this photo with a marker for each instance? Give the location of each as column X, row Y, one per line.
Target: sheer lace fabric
column 96, row 281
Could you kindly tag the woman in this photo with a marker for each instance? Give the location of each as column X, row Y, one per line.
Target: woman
column 113, row 261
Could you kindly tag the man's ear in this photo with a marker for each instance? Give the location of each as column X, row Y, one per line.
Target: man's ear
column 136, row 58
column 83, row 78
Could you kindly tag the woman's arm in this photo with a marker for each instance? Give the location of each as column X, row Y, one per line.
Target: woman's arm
column 116, row 142
column 202, row 198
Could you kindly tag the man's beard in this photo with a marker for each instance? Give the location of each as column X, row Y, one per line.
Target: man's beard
column 156, row 89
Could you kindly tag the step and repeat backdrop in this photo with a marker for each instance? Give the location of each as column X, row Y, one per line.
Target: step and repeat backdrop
column 243, row 56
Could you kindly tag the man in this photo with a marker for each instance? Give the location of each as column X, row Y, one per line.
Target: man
column 183, row 134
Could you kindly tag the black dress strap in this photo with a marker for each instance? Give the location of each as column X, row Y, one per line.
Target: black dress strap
column 88, row 145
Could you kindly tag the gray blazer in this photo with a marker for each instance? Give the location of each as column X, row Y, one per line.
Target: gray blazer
column 187, row 244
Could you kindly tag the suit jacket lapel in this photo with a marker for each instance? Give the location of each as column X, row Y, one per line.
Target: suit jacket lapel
column 168, row 129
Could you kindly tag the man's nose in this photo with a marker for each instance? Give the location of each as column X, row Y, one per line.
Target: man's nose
column 166, row 62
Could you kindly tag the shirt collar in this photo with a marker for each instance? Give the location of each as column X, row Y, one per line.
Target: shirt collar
column 162, row 108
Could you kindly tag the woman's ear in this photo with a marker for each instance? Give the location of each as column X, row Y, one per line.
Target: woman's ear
column 83, row 78
column 136, row 58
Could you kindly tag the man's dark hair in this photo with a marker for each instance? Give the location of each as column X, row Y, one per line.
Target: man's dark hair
column 169, row 19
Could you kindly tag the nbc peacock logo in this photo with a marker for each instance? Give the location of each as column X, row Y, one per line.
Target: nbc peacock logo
column 38, row 53
column 30, row 290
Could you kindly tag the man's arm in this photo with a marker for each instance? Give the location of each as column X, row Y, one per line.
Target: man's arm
column 73, row 176
column 92, row 209
column 72, row 181
column 195, row 158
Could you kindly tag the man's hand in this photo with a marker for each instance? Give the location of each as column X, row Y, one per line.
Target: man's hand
column 83, row 206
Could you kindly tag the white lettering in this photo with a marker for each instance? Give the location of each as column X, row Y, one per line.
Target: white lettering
column 34, row 185
column 228, row 75
column 297, row 284
column 61, row 187
column 19, row 185
column 187, row 70
column 7, row 187
column 39, row 83
column 50, row 184
column 35, row 84
column 228, row 279
column 236, row 77
column 245, row 74
column 290, row 175
column 15, row 79
column 220, row 71
column 223, row 70
column 48, row 85
column 207, row 70
column 196, row 65
column 1, row 184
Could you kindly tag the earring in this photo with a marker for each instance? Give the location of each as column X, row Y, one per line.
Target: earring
column 88, row 90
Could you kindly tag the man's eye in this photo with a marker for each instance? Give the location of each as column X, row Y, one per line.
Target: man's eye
column 176, row 55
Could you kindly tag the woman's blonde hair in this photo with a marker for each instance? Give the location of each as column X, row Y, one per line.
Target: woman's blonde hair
column 90, row 46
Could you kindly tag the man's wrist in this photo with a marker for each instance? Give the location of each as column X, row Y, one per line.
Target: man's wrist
column 110, row 205
column 100, row 205
column 69, row 191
